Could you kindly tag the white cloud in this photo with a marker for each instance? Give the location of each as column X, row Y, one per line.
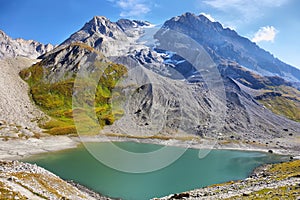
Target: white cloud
column 247, row 8
column 208, row 16
column 132, row 8
column 267, row 33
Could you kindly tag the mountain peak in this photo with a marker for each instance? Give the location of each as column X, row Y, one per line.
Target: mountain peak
column 101, row 25
column 226, row 44
column 100, row 18
column 193, row 21
column 188, row 14
column 110, row 38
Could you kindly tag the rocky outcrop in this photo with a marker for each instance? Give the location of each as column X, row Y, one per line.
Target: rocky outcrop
column 20, row 180
column 10, row 48
column 250, row 78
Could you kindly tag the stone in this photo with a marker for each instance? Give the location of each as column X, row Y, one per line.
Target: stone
column 2, row 122
column 246, row 193
column 270, row 151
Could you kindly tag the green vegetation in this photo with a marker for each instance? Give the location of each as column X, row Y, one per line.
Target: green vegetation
column 55, row 99
column 287, row 104
column 285, row 192
column 283, row 106
column 278, row 172
column 285, row 170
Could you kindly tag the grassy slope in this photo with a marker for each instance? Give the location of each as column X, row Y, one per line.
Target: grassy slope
column 55, row 99
column 288, row 104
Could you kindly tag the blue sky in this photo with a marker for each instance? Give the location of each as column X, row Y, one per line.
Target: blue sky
column 273, row 24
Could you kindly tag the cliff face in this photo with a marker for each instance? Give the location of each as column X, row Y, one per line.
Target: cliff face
column 10, row 48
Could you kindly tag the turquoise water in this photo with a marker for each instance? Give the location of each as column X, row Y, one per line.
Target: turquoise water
column 188, row 172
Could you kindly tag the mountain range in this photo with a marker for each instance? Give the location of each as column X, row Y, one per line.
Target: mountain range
column 10, row 48
column 192, row 77
column 224, row 44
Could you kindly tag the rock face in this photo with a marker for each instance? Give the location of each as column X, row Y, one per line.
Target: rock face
column 10, row 48
column 63, row 62
column 250, row 78
column 225, row 44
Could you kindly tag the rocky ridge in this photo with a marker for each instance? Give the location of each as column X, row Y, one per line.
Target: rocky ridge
column 11, row 48
column 225, row 44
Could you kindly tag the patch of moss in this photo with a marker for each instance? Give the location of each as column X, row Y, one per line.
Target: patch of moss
column 43, row 182
column 285, row 192
column 288, row 104
column 33, row 74
column 285, row 170
column 283, row 106
column 276, row 172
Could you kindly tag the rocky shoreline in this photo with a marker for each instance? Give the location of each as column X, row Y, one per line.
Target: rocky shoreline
column 273, row 181
column 260, row 179
column 14, row 149
column 20, row 180
column 90, row 192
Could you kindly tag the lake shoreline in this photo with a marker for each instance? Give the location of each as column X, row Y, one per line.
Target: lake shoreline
column 16, row 149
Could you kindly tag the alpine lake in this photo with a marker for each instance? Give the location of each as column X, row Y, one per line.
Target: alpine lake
column 185, row 173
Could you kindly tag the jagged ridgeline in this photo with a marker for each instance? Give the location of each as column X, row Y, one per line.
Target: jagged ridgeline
column 52, row 80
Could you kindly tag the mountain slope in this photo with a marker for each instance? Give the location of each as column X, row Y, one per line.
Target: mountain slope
column 52, row 83
column 10, row 48
column 19, row 116
column 159, row 100
column 225, row 44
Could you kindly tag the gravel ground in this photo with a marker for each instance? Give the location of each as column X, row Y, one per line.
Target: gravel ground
column 18, row 114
